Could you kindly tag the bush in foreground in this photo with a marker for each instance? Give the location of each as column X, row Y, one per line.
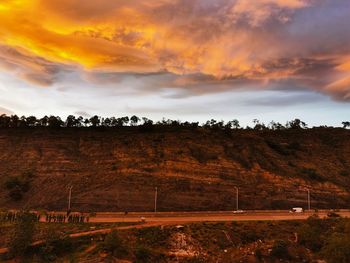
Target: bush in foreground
column 23, row 234
column 55, row 244
column 337, row 248
column 280, row 250
column 115, row 245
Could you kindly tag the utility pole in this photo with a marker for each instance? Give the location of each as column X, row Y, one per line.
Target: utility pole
column 236, row 198
column 308, row 199
column 69, row 196
column 155, row 200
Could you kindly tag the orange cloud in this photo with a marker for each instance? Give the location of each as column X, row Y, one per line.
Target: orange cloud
column 222, row 39
column 128, row 36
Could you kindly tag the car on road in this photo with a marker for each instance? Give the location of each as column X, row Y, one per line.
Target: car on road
column 238, row 211
column 333, row 214
column 143, row 219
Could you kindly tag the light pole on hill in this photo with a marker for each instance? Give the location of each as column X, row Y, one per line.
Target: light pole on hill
column 237, row 200
column 155, row 199
column 308, row 199
column 69, row 197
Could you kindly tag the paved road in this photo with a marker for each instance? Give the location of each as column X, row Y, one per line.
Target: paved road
column 208, row 216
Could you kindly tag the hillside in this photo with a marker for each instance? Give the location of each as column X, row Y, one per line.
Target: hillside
column 194, row 168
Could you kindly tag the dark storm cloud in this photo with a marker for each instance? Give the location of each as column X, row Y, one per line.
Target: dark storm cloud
column 31, row 68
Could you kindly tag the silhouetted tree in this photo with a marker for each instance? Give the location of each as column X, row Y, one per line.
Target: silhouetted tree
column 258, row 126
column 106, row 122
column 346, row 124
column 134, row 120
column 209, row 124
column 86, row 122
column 70, row 121
column 120, row 122
column 235, row 124
column 23, row 122
column 55, row 122
column 190, row 124
column 296, row 124
column 147, row 122
column 276, row 126
column 4, row 121
column 95, row 121
column 113, row 121
column 219, row 125
column 31, row 121
column 14, row 122
column 79, row 121
column 44, row 121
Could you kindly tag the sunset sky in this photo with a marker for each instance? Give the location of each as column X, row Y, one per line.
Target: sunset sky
column 179, row 59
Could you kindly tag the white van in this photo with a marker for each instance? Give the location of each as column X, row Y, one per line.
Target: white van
column 297, row 210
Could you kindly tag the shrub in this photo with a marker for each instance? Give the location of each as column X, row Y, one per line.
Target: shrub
column 154, row 236
column 312, row 174
column 203, row 155
column 277, row 147
column 294, row 146
column 18, row 185
column 236, row 154
column 143, row 254
column 196, row 259
column 114, row 244
column 337, row 248
column 311, row 234
column 258, row 254
column 54, row 245
column 280, row 250
column 23, row 234
column 344, row 173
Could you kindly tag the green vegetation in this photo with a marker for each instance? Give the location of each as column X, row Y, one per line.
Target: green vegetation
column 143, row 254
column 329, row 238
column 55, row 244
column 337, row 248
column 202, row 155
column 71, row 121
column 280, row 250
column 312, row 174
column 289, row 241
column 312, row 233
column 115, row 245
column 22, row 236
column 17, row 186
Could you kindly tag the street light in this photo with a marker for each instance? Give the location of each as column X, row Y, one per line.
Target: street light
column 308, row 199
column 69, row 196
column 155, row 199
column 236, row 198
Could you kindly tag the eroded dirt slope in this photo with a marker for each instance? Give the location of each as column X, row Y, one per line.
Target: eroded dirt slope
column 118, row 169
